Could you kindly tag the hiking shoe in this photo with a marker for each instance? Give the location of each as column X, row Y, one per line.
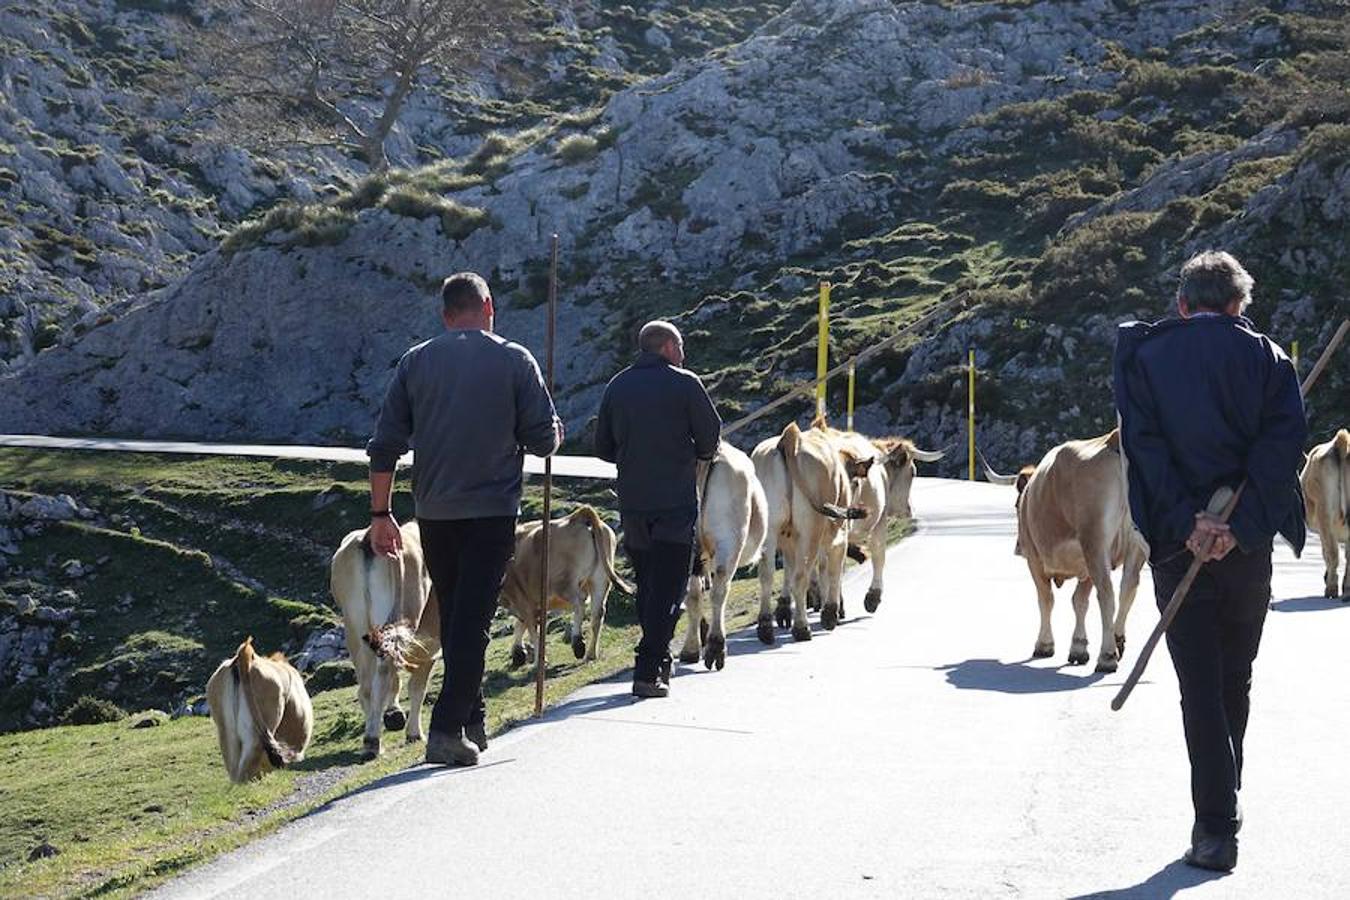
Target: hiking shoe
column 1217, row 854
column 650, row 689
column 450, row 750
column 477, row 732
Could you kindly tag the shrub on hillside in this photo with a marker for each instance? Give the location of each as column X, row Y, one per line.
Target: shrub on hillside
column 578, row 148
column 92, row 711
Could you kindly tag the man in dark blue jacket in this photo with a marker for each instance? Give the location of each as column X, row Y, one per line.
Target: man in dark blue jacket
column 1205, row 401
column 656, row 421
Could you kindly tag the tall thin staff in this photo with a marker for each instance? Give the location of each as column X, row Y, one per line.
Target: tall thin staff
column 541, row 616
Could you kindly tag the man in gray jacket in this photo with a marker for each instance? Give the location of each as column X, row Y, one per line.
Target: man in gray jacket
column 472, row 403
column 656, row 421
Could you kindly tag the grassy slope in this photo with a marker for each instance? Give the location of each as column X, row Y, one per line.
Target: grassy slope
column 127, row 806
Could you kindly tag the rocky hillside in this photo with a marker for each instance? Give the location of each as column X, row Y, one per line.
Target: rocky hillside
column 1047, row 165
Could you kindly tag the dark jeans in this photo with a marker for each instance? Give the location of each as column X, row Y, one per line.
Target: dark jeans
column 661, row 548
column 1213, row 642
column 467, row 559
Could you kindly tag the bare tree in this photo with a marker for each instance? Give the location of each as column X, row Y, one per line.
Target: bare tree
column 307, row 71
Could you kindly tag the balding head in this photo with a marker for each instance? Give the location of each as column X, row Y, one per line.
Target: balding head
column 659, row 336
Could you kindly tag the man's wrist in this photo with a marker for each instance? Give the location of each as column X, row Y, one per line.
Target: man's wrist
column 381, row 513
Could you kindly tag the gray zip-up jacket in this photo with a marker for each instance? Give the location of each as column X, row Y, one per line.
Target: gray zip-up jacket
column 471, row 404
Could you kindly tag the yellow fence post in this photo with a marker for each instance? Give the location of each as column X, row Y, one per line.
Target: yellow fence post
column 1293, row 355
column 970, row 412
column 852, row 379
column 823, row 349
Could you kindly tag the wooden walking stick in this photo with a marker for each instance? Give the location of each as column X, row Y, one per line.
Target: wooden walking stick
column 1224, row 501
column 541, row 615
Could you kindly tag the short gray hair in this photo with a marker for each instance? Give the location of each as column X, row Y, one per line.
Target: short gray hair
column 1213, row 279
column 656, row 334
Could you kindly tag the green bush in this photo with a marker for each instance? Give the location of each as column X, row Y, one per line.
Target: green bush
column 92, row 711
column 458, row 221
column 578, row 148
column 330, row 676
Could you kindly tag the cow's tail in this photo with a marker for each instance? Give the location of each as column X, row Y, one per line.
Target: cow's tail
column 603, row 541
column 857, row 553
column 1341, row 454
column 789, row 445
column 278, row 754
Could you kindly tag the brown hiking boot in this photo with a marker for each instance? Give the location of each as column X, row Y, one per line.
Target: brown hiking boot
column 450, row 750
column 647, row 689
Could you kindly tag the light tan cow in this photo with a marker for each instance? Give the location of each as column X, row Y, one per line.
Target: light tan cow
column 810, row 506
column 1326, row 500
column 733, row 516
column 882, row 472
column 581, row 557
column 393, row 624
column 1073, row 521
column 262, row 713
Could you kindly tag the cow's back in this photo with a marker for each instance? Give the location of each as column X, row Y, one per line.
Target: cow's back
column 1074, row 504
column 734, row 508
column 1326, row 485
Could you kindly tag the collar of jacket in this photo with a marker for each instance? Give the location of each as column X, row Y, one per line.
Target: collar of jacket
column 1132, row 335
column 646, row 359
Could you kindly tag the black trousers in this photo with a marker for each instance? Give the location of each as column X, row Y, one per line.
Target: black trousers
column 661, row 548
column 467, row 559
column 1213, row 642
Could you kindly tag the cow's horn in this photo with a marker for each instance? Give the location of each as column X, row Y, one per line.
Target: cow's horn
column 993, row 477
column 928, row 455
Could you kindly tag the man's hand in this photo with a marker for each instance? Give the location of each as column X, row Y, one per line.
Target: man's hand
column 385, row 537
column 1211, row 539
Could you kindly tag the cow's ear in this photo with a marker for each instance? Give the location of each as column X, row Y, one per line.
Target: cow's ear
column 1022, row 478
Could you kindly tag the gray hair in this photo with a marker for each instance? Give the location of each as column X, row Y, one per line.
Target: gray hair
column 1213, row 279
column 656, row 334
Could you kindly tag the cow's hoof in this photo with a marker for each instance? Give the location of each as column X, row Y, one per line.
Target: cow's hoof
column 689, row 657
column 415, row 739
column 842, row 614
column 715, row 653
column 1107, row 665
column 579, row 647
column 394, row 719
column 813, row 598
column 801, row 633
column 1043, row 651
column 370, row 748
column 1120, row 646
column 829, row 616
column 782, row 615
column 1078, row 657
column 703, row 630
column 764, row 631
column 519, row 657
column 872, row 600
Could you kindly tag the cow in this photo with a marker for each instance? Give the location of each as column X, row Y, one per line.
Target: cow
column 262, row 713
column 1326, row 500
column 882, row 471
column 1073, row 521
column 581, row 558
column 810, row 505
column 393, row 625
column 733, row 516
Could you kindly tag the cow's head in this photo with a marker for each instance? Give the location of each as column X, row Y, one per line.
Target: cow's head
column 899, row 456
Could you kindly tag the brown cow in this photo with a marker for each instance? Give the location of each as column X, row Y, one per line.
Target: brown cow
column 1326, row 500
column 581, row 557
column 1073, row 521
column 810, row 505
column 262, row 713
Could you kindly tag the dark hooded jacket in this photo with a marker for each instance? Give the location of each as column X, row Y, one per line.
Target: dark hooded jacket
column 1204, row 402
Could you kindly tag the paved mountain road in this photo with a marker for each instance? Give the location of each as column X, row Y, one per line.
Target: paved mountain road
column 914, row 753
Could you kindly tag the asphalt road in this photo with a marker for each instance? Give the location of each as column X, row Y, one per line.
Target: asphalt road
column 914, row 753
column 563, row 466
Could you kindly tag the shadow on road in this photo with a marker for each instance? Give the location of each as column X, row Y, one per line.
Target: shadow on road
column 1309, row 604
column 1164, row 884
column 1013, row 678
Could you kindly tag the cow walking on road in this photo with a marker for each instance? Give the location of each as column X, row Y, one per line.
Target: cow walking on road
column 1326, row 499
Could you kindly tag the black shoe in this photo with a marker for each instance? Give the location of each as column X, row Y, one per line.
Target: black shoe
column 477, row 732
column 1217, row 854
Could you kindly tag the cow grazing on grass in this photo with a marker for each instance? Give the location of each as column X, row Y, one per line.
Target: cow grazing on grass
column 393, row 624
column 1073, row 521
column 262, row 713
column 581, row 557
column 882, row 472
column 810, row 505
column 733, row 516
column 1326, row 500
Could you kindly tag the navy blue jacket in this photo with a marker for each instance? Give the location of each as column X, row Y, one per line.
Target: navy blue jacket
column 656, row 421
column 1204, row 402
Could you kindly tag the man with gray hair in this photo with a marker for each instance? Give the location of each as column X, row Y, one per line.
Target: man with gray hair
column 1206, row 401
column 656, row 421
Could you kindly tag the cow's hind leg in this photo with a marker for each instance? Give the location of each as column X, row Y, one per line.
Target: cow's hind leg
column 799, row 581
column 1078, row 651
column 578, row 624
column 832, row 581
column 1108, row 660
column 417, row 696
column 599, row 600
column 369, row 693
column 518, row 655
column 1045, row 597
column 876, row 546
column 715, row 652
column 693, row 621
column 1129, row 586
column 764, row 627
